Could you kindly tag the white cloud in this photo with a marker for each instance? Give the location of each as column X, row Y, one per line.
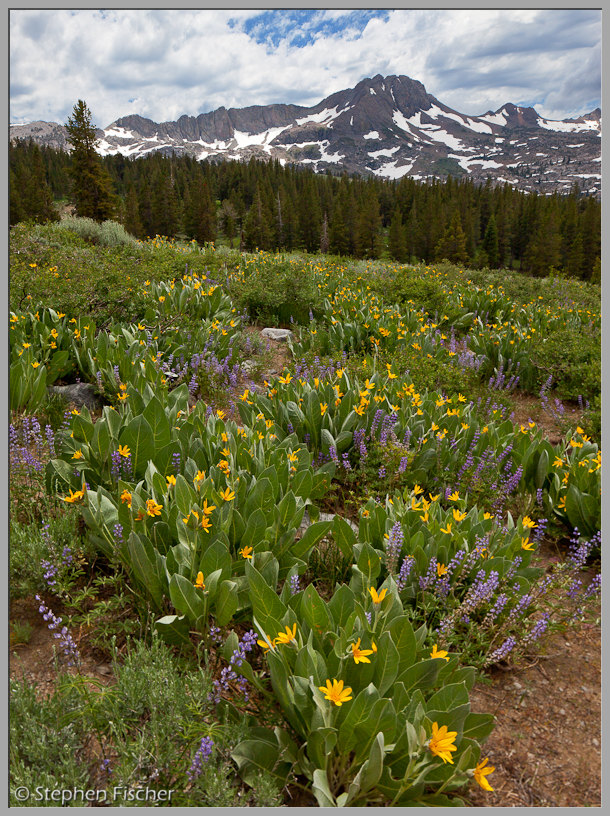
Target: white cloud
column 165, row 63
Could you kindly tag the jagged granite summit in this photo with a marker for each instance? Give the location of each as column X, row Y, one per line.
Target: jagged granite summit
column 385, row 126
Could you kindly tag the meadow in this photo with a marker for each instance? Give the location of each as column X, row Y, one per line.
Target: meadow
column 292, row 560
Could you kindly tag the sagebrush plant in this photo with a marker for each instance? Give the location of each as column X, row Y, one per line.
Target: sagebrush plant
column 257, row 646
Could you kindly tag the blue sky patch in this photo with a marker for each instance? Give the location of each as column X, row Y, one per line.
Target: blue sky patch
column 301, row 27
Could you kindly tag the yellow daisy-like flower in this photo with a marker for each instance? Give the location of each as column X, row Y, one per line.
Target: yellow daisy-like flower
column 446, row 529
column 124, row 450
column 288, row 636
column 457, row 515
column 126, row 497
column 335, row 692
column 77, row 454
column 206, row 524
column 73, row 497
column 436, row 652
column 246, row 552
column 171, row 480
column 199, row 581
column 481, row 771
column 267, row 643
column 227, row 494
column 526, row 544
column 528, row 523
column 442, row 742
column 208, row 508
column 152, row 508
column 454, row 496
column 377, row 597
column 360, row 655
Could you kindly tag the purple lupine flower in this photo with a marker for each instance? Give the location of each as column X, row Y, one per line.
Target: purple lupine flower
column 202, row 755
column 393, row 547
column 593, row 588
column 502, row 651
column 117, row 532
column 105, row 767
column 66, row 641
column 345, row 461
column 381, row 472
column 50, row 574
column 537, row 630
column 405, row 569
column 295, row 587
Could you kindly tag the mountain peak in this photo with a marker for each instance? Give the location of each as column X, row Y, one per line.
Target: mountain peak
column 385, row 126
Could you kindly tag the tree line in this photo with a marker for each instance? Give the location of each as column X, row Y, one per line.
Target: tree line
column 262, row 204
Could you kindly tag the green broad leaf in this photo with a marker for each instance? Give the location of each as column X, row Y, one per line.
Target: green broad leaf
column 310, row 663
column 237, row 527
column 421, row 675
column 187, row 599
column 255, row 526
column 344, row 536
column 174, row 629
column 385, row 663
column 543, row 468
column 267, row 606
column 327, row 441
column 370, row 773
column 369, row 564
column 302, row 484
column 478, row 726
column 312, row 535
column 226, row 602
column 321, row 790
column 357, row 713
column 148, row 567
column 286, row 509
column 138, row 436
column 184, row 495
column 260, row 497
column 268, row 566
column 155, row 415
column 382, row 718
column 448, row 697
column 256, row 756
column 341, row 605
column 403, row 637
column 100, row 444
column 314, row 611
column 82, row 428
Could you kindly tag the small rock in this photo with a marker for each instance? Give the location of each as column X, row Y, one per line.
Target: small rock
column 595, row 742
column 78, row 393
column 276, row 334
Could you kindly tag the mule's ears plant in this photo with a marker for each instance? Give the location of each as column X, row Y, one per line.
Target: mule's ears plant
column 363, row 700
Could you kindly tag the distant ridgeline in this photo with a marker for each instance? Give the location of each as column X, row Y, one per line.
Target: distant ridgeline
column 270, row 206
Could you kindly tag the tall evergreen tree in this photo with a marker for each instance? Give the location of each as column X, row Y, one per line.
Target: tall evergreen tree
column 452, row 245
column 397, row 238
column 490, row 243
column 92, row 192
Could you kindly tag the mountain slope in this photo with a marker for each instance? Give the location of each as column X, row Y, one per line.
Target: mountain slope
column 386, row 126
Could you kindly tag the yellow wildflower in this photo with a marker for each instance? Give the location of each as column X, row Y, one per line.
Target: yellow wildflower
column 335, row 692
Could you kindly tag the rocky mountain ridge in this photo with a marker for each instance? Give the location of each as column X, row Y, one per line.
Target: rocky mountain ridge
column 384, row 126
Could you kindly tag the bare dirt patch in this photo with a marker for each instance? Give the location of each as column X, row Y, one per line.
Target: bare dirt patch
column 546, row 744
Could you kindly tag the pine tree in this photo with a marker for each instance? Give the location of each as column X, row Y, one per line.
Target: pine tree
column 369, row 228
column 452, row 245
column 397, row 239
column 30, row 194
column 200, row 215
column 490, row 243
column 131, row 219
column 92, row 191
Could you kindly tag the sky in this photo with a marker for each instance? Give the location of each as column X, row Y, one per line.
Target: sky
column 162, row 64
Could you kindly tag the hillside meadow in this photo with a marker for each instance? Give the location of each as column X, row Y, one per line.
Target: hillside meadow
column 296, row 562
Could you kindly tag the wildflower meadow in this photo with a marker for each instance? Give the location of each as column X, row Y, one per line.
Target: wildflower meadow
column 295, row 558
